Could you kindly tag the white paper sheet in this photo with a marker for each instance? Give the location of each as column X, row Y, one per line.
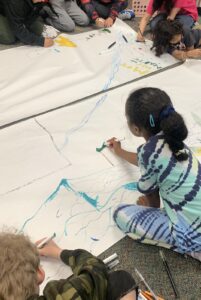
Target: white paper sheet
column 54, row 180
column 36, row 79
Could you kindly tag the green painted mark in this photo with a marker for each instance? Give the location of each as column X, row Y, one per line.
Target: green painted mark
column 106, row 30
column 101, row 148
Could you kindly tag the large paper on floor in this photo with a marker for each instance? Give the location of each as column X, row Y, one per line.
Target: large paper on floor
column 36, row 79
column 54, row 180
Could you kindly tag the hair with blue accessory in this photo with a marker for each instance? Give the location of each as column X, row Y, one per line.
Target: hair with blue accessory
column 151, row 121
column 166, row 112
column 151, row 109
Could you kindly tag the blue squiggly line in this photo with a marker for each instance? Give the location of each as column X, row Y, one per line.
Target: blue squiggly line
column 115, row 67
column 92, row 201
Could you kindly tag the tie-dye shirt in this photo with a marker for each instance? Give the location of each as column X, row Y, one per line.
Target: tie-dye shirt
column 179, row 185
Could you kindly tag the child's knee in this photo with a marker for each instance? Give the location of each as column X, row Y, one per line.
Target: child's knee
column 67, row 26
column 120, row 217
column 84, row 21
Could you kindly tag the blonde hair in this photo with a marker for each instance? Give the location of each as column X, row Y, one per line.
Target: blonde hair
column 19, row 262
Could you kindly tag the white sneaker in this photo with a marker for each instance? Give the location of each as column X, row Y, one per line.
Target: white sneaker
column 49, row 32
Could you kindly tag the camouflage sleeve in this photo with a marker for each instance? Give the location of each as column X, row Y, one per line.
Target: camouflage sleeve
column 90, row 280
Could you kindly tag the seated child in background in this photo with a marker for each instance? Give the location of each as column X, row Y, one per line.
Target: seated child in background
column 19, row 20
column 103, row 12
column 169, row 173
column 183, row 10
column 68, row 13
column 21, row 274
column 171, row 37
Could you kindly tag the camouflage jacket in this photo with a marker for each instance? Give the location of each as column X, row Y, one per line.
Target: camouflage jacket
column 88, row 282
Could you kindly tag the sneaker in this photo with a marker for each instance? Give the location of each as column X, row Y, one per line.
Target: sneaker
column 49, row 32
column 126, row 14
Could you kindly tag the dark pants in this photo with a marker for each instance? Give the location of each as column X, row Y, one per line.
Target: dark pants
column 120, row 283
column 7, row 35
column 186, row 21
column 103, row 10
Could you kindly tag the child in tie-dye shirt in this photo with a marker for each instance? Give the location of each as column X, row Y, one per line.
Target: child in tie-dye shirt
column 170, row 174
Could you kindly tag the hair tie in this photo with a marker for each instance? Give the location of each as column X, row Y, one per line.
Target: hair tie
column 182, row 151
column 166, row 112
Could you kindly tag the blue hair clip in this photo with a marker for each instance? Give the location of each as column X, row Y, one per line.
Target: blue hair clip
column 151, row 120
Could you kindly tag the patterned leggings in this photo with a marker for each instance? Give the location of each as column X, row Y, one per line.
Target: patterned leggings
column 151, row 226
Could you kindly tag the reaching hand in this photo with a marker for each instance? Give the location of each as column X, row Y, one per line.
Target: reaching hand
column 115, row 145
column 140, row 38
column 100, row 22
column 109, row 22
column 48, row 42
column 51, row 249
column 170, row 18
column 195, row 53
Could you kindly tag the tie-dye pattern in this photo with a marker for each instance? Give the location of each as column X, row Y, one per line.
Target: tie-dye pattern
column 178, row 224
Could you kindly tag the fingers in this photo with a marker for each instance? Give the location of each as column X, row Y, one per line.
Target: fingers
column 48, row 42
column 113, row 141
column 39, row 241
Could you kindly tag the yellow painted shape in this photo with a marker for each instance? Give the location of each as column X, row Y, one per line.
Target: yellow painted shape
column 196, row 150
column 64, row 42
column 140, row 69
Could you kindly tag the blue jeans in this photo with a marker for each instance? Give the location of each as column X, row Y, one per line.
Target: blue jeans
column 185, row 20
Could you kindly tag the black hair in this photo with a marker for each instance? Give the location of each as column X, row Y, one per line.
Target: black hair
column 164, row 31
column 150, row 102
column 168, row 5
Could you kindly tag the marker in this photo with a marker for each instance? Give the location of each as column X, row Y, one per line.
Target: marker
column 116, row 140
column 125, row 39
column 107, row 144
column 169, row 274
column 113, row 264
column 145, row 283
column 46, row 241
column 110, row 258
column 110, row 46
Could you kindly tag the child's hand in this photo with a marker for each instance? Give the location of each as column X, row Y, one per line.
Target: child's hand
column 48, row 42
column 170, row 18
column 51, row 249
column 100, row 22
column 140, row 38
column 115, row 145
column 195, row 53
column 109, row 22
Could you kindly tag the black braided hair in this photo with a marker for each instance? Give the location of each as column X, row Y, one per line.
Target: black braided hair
column 168, row 5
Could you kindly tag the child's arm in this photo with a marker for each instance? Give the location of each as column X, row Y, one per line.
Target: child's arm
column 90, row 278
column 131, row 157
column 173, row 13
column 150, row 200
column 143, row 23
column 183, row 55
column 116, row 7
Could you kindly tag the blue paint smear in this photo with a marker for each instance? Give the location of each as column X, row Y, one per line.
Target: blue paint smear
column 63, row 183
column 132, row 186
column 90, row 200
column 115, row 65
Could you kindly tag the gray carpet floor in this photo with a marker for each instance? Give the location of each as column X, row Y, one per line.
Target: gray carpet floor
column 186, row 271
